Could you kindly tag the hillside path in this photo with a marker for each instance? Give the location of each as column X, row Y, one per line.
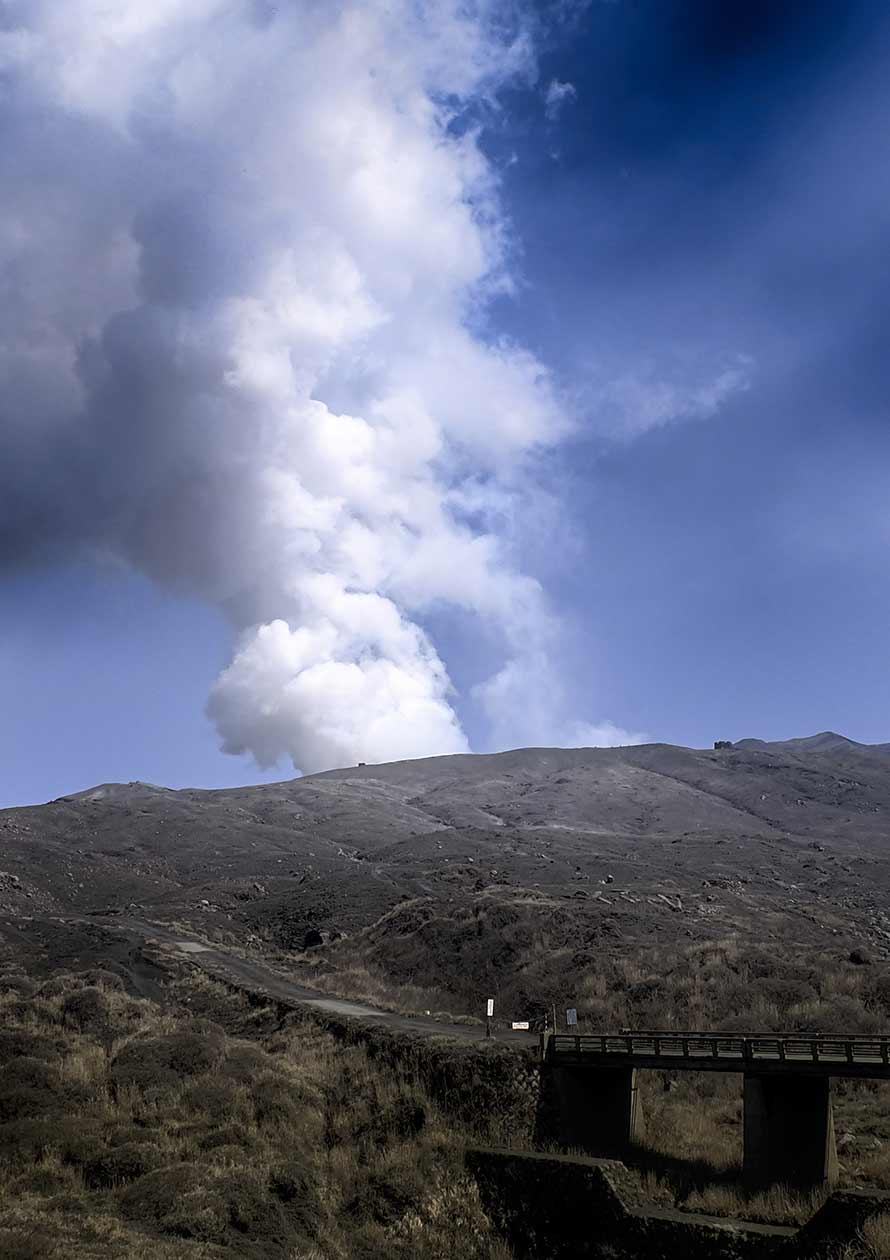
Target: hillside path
column 263, row 979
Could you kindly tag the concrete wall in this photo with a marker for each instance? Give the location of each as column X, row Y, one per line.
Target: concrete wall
column 551, row 1207
column 789, row 1131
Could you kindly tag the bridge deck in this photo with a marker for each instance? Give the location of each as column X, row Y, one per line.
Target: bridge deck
column 709, row 1052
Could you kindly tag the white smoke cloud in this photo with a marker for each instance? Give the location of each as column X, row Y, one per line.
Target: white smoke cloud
column 244, row 249
column 527, row 701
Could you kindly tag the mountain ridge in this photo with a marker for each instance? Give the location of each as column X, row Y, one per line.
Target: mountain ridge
column 824, row 741
column 628, row 848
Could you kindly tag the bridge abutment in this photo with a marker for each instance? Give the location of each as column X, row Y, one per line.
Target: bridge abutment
column 789, row 1130
column 598, row 1112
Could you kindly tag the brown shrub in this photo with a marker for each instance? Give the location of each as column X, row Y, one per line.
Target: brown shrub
column 245, row 1063
column 123, row 1163
column 236, row 1202
column 39, row 1181
column 274, row 1102
column 188, row 1203
column 27, row 1072
column 28, row 1140
column 26, row 1245
column 161, row 1062
column 121, row 1135
column 404, row 1118
column 226, row 1154
column 154, row 1196
column 98, row 977
column 876, row 1236
column 216, row 1098
column 22, row 1041
column 293, row 1185
column 22, row 985
column 31, row 1088
column 77, row 1140
column 26, row 1103
column 228, row 1135
column 87, row 1010
column 25, row 1141
column 386, row 1194
column 58, row 986
column 28, row 1011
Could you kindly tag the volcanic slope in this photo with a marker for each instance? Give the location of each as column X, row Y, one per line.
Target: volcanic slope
column 453, row 872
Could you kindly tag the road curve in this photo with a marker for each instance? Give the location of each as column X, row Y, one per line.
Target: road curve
column 263, row 979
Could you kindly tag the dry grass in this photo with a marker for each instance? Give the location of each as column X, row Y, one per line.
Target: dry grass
column 135, row 1133
column 218, row 1129
column 419, row 957
column 779, row 1205
column 694, row 1141
column 876, row 1237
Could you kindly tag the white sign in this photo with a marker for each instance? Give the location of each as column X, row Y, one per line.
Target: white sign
column 571, row 1016
column 489, row 1008
column 521, row 1025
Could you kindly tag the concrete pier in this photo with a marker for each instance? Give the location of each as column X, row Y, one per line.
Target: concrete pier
column 789, row 1130
column 788, row 1126
column 599, row 1112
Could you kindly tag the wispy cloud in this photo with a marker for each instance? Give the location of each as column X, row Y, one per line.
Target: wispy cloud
column 635, row 402
column 557, row 96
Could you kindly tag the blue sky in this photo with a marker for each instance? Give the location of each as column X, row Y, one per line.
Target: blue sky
column 696, row 232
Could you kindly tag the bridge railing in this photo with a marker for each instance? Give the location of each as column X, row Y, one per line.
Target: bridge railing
column 673, row 1046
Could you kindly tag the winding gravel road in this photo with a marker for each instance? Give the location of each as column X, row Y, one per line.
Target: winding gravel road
column 263, row 979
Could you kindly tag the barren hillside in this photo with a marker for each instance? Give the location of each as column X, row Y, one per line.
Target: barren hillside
column 500, row 871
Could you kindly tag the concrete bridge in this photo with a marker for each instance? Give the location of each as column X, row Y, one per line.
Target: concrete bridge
column 788, row 1120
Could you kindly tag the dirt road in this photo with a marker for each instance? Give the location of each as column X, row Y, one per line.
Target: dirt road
column 260, row 977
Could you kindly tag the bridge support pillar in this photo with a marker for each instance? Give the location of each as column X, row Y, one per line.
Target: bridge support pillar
column 789, row 1130
column 598, row 1110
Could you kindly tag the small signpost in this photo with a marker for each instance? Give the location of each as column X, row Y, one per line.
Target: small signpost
column 520, row 1025
column 489, row 1011
column 571, row 1017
